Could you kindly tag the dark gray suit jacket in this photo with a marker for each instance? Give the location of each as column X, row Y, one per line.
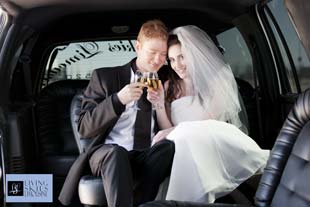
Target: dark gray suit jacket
column 100, row 111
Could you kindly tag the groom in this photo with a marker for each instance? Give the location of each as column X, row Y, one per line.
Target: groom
column 121, row 152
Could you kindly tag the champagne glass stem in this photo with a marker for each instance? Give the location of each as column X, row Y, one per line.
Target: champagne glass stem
column 138, row 77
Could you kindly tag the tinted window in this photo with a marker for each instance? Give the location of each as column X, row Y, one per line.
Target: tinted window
column 237, row 54
column 78, row 60
column 295, row 48
column 3, row 22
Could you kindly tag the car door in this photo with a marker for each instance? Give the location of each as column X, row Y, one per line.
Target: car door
column 4, row 22
column 288, row 75
column 294, row 69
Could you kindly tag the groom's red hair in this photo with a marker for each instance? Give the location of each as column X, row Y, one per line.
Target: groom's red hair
column 153, row 29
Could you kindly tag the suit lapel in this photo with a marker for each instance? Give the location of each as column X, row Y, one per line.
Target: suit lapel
column 123, row 75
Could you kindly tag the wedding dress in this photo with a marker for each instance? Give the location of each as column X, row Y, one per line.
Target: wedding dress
column 211, row 157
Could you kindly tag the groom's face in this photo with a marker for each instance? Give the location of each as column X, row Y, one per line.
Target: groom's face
column 151, row 54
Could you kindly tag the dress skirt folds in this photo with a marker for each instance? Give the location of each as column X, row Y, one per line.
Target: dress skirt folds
column 211, row 157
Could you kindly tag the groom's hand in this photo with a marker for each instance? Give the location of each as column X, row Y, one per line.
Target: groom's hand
column 130, row 92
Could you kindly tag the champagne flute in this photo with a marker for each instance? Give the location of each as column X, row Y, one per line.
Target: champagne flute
column 152, row 82
column 138, row 77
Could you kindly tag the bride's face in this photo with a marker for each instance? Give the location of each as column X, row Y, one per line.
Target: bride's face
column 177, row 61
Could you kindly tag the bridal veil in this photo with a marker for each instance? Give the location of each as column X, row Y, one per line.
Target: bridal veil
column 213, row 80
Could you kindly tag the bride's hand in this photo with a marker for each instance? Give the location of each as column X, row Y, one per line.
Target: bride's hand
column 157, row 97
column 162, row 134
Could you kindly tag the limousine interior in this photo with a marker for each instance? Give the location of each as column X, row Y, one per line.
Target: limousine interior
column 48, row 49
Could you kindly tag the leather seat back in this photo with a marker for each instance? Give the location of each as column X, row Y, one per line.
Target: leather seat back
column 285, row 182
column 57, row 146
column 75, row 109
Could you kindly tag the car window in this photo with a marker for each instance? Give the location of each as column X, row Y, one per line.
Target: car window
column 237, row 54
column 3, row 28
column 300, row 64
column 3, row 19
column 77, row 60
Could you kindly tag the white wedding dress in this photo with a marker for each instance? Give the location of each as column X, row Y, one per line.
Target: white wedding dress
column 211, row 157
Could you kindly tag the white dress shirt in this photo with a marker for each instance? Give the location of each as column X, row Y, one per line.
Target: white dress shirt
column 123, row 131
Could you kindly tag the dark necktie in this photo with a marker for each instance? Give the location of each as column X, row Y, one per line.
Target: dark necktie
column 142, row 135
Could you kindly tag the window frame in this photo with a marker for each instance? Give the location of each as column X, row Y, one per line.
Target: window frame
column 283, row 73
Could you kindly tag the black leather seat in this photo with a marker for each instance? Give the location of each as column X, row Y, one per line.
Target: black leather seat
column 285, row 182
column 90, row 189
column 57, row 149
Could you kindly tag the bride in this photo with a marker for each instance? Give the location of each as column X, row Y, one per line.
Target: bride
column 198, row 108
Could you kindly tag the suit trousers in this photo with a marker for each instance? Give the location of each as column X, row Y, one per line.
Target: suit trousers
column 132, row 177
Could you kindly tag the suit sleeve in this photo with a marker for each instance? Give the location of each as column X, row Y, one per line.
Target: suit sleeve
column 98, row 112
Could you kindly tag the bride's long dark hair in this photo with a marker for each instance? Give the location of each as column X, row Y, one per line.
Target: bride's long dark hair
column 174, row 87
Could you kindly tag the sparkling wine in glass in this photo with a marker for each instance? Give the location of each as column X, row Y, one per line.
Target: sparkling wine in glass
column 152, row 82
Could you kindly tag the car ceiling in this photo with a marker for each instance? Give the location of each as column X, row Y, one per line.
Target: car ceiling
column 216, row 14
